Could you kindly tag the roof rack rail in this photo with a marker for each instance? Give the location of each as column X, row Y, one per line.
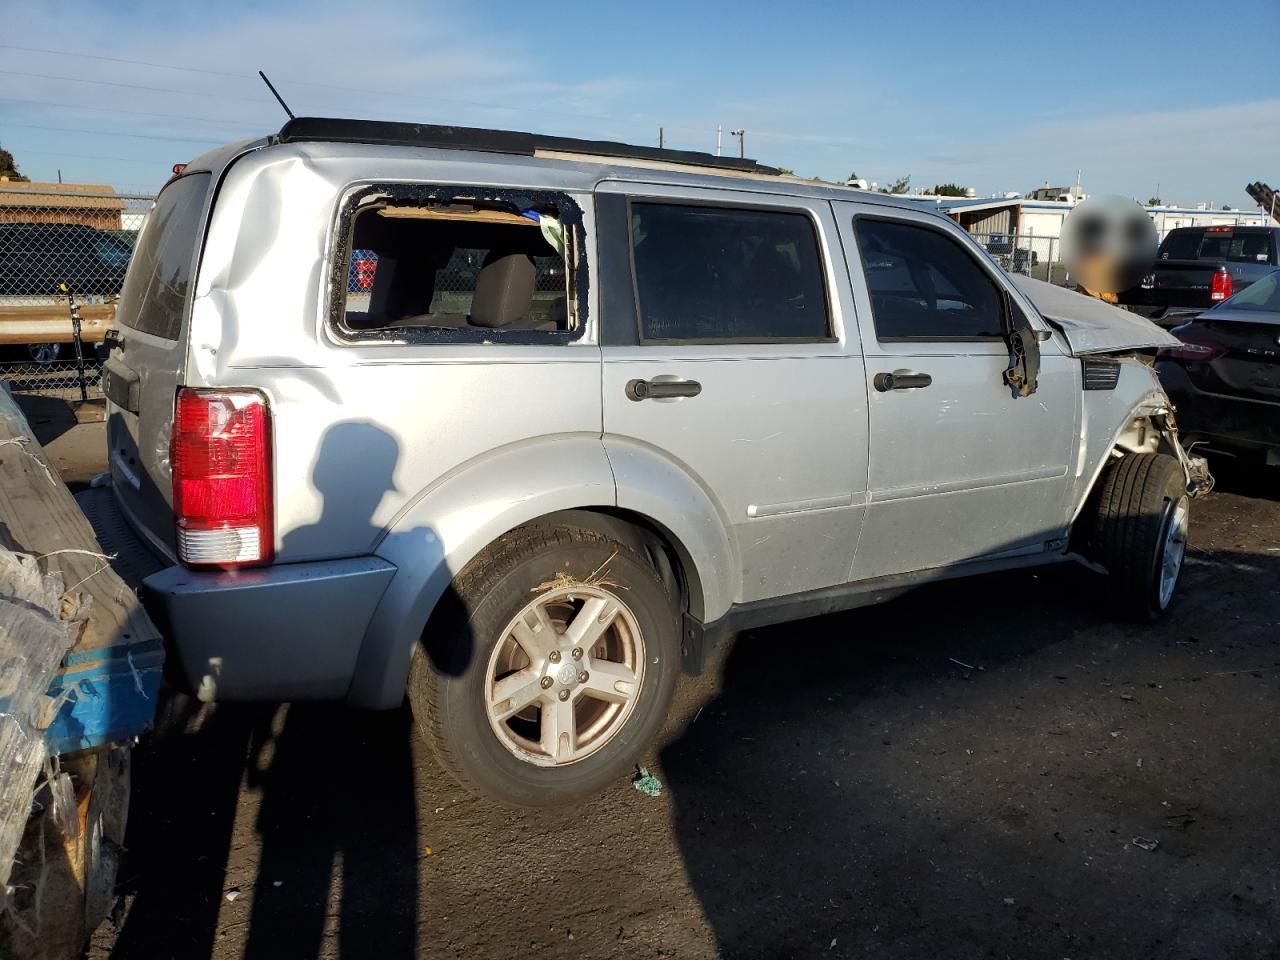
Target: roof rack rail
column 493, row 141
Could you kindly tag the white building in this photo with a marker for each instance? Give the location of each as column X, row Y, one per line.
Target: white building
column 1043, row 219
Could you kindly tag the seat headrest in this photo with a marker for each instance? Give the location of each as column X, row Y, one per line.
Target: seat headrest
column 504, row 289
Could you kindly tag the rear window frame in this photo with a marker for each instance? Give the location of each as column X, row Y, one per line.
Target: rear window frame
column 197, row 251
column 815, row 227
column 339, row 265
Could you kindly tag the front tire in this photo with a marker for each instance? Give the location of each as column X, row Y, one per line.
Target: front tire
column 549, row 669
column 1140, row 533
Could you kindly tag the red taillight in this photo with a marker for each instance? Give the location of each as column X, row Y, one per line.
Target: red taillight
column 365, row 269
column 1220, row 230
column 1221, row 286
column 220, row 453
column 1191, row 350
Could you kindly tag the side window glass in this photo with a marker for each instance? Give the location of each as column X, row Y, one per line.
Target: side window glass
column 924, row 285
column 474, row 266
column 719, row 273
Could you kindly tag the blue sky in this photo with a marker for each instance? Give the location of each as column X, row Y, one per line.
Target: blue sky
column 992, row 95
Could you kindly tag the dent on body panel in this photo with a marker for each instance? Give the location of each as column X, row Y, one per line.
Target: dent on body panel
column 261, row 271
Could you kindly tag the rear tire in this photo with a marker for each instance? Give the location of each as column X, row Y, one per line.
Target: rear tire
column 1140, row 533
column 515, row 705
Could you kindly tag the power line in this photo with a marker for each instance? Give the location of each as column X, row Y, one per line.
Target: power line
column 482, row 104
column 135, row 113
column 130, row 86
column 303, row 83
column 136, row 63
column 109, row 133
column 85, row 156
column 630, row 121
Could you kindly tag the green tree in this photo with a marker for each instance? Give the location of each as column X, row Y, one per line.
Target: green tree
column 1226, row 206
column 898, row 186
column 9, row 166
column 949, row 190
column 852, row 176
column 1154, row 201
column 786, row 171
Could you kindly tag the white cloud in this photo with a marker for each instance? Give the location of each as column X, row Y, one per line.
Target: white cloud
column 392, row 59
column 1195, row 154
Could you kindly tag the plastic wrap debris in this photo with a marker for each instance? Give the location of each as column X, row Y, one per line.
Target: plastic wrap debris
column 647, row 783
column 37, row 626
column 65, row 814
column 552, row 229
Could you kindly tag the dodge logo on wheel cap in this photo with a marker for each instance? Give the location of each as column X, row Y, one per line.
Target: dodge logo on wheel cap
column 567, row 674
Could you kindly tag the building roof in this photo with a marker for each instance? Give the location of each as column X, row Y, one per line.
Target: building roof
column 61, row 196
column 974, row 205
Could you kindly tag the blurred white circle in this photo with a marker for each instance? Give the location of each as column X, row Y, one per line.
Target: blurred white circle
column 1109, row 243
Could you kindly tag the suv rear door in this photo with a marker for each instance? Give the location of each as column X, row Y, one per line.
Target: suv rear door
column 730, row 351
column 142, row 374
column 960, row 468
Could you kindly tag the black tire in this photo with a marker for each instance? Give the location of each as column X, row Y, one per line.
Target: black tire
column 1138, row 498
column 448, row 674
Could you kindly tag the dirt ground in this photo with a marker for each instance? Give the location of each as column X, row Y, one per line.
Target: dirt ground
column 986, row 768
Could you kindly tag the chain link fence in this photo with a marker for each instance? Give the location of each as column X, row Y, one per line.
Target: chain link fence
column 1038, row 257
column 60, row 379
column 62, row 246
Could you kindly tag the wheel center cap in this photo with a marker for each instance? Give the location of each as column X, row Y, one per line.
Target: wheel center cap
column 567, row 674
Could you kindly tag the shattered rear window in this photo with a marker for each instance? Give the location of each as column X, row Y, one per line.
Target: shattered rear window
column 461, row 265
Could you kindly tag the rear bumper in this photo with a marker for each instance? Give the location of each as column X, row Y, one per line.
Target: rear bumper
column 286, row 632
column 1217, row 420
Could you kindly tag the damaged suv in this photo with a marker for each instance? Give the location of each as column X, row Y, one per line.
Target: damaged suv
column 589, row 408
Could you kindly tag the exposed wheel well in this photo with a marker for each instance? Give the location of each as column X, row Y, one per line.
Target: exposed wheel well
column 664, row 551
column 1144, row 433
column 657, row 543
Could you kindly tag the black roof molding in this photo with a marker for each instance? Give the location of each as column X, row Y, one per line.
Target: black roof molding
column 334, row 130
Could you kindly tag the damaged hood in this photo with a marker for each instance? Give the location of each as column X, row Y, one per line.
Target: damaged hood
column 1090, row 325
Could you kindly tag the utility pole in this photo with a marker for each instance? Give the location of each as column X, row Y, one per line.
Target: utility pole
column 661, row 138
column 742, row 147
column 719, row 130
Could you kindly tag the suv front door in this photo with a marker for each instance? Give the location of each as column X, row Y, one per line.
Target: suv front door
column 730, row 352
column 960, row 468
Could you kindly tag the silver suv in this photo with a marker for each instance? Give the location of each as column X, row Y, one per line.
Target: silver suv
column 521, row 425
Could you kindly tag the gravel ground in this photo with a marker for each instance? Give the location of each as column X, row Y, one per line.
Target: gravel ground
column 985, row 768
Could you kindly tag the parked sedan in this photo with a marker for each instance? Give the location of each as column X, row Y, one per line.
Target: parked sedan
column 1225, row 377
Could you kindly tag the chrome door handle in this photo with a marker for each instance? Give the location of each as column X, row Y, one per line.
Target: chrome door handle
column 662, row 389
column 901, row 380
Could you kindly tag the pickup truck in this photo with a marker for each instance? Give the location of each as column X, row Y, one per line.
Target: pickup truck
column 1198, row 267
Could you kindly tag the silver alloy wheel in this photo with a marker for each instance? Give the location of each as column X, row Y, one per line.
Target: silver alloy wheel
column 44, row 352
column 1175, row 548
column 564, row 677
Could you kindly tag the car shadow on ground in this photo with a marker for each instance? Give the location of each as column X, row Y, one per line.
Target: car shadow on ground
column 336, row 803
column 963, row 772
column 322, row 796
column 50, row 417
column 1247, row 478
